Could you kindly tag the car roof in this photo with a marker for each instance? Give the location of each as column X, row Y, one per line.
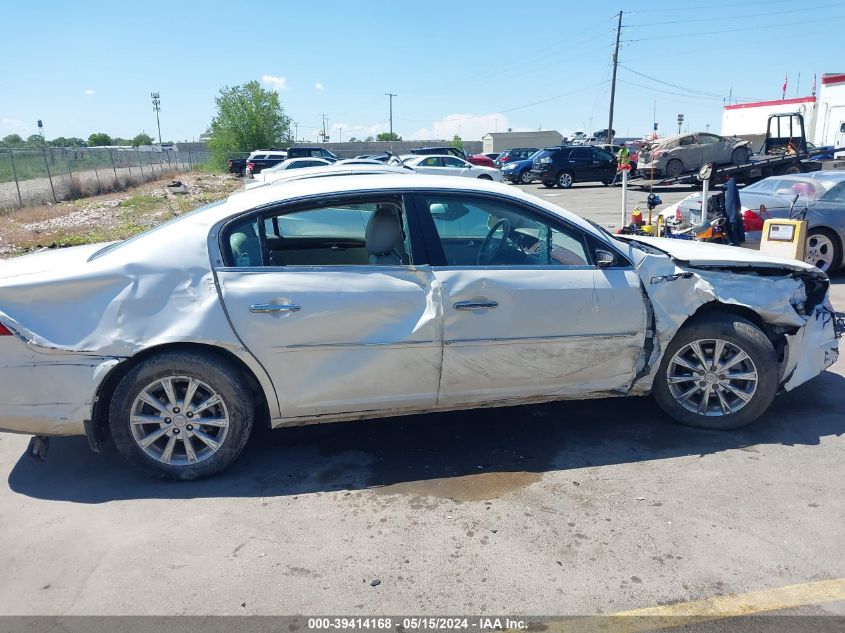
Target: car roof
column 832, row 176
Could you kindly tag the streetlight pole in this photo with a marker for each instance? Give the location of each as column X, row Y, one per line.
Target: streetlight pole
column 390, row 96
column 157, row 107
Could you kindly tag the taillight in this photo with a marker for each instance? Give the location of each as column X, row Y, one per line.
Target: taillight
column 678, row 215
column 751, row 221
column 4, row 331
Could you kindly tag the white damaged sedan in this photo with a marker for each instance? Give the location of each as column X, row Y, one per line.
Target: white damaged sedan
column 354, row 296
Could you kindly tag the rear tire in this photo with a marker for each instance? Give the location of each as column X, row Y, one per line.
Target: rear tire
column 565, row 179
column 484, row 177
column 525, row 178
column 162, row 423
column 792, row 170
column 740, row 389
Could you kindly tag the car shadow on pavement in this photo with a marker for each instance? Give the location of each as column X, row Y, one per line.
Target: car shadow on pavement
column 404, row 451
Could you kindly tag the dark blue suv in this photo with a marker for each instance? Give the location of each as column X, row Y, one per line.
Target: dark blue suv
column 565, row 165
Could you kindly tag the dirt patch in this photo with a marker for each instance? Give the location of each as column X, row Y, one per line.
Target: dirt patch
column 480, row 487
column 108, row 217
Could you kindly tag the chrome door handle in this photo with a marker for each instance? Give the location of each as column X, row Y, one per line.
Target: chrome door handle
column 267, row 308
column 474, row 305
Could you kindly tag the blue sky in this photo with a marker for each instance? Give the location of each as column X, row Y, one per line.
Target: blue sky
column 467, row 67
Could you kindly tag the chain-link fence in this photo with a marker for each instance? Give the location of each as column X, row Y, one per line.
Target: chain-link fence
column 39, row 176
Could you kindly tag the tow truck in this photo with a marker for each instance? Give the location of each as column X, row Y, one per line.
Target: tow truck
column 784, row 151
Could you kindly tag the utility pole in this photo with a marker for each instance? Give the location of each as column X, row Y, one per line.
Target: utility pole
column 613, row 81
column 323, row 132
column 157, row 108
column 390, row 96
column 295, row 131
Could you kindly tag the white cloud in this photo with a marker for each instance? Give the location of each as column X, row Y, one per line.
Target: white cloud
column 470, row 127
column 319, row 86
column 89, row 92
column 11, row 126
column 275, row 83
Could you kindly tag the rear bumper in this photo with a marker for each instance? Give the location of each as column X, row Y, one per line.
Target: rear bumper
column 47, row 394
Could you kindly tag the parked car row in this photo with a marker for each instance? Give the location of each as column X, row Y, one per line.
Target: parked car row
column 821, row 193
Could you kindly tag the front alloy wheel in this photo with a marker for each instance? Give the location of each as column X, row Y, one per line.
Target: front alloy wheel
column 712, row 377
column 718, row 372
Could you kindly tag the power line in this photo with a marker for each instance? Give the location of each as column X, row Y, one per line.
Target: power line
column 704, row 7
column 724, row 18
column 701, row 93
column 721, row 31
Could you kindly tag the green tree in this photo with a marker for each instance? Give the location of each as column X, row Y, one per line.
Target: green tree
column 34, row 140
column 142, row 139
column 12, row 140
column 99, row 138
column 352, row 139
column 457, row 142
column 388, row 136
column 369, row 139
column 248, row 118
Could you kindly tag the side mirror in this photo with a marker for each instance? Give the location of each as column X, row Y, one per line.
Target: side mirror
column 604, row 258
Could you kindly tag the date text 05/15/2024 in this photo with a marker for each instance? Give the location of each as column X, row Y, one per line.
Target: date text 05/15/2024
column 422, row 623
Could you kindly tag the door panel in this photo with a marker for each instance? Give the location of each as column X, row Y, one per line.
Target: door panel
column 364, row 338
column 555, row 333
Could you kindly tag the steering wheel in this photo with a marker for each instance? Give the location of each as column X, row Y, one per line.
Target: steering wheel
column 489, row 251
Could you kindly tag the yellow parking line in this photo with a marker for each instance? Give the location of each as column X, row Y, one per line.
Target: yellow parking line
column 715, row 608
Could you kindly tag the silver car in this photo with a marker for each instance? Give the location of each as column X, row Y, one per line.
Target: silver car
column 344, row 297
column 683, row 153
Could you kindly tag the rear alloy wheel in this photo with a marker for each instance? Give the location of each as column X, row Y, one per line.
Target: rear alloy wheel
column 181, row 415
column 739, row 156
column 719, row 372
column 822, row 250
column 674, row 168
column 793, row 170
column 565, row 179
column 525, row 178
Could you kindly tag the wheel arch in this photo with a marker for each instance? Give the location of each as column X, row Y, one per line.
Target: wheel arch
column 266, row 406
column 775, row 335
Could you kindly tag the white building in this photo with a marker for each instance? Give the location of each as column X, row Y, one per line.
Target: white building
column 824, row 116
column 500, row 141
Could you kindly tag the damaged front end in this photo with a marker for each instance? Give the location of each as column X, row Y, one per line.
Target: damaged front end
column 788, row 300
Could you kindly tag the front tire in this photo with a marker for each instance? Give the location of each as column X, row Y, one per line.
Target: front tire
column 718, row 372
column 739, row 156
column 674, row 168
column 822, row 250
column 181, row 415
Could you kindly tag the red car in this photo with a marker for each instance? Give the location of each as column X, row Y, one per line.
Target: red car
column 481, row 159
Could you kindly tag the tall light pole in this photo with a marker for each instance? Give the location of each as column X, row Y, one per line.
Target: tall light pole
column 613, row 81
column 390, row 96
column 157, row 107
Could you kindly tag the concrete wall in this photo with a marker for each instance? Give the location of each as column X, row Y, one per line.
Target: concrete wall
column 350, row 150
column 500, row 141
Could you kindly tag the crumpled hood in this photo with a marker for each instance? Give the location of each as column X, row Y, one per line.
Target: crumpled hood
column 57, row 259
column 705, row 254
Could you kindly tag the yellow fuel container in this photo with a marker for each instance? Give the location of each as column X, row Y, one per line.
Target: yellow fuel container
column 784, row 238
